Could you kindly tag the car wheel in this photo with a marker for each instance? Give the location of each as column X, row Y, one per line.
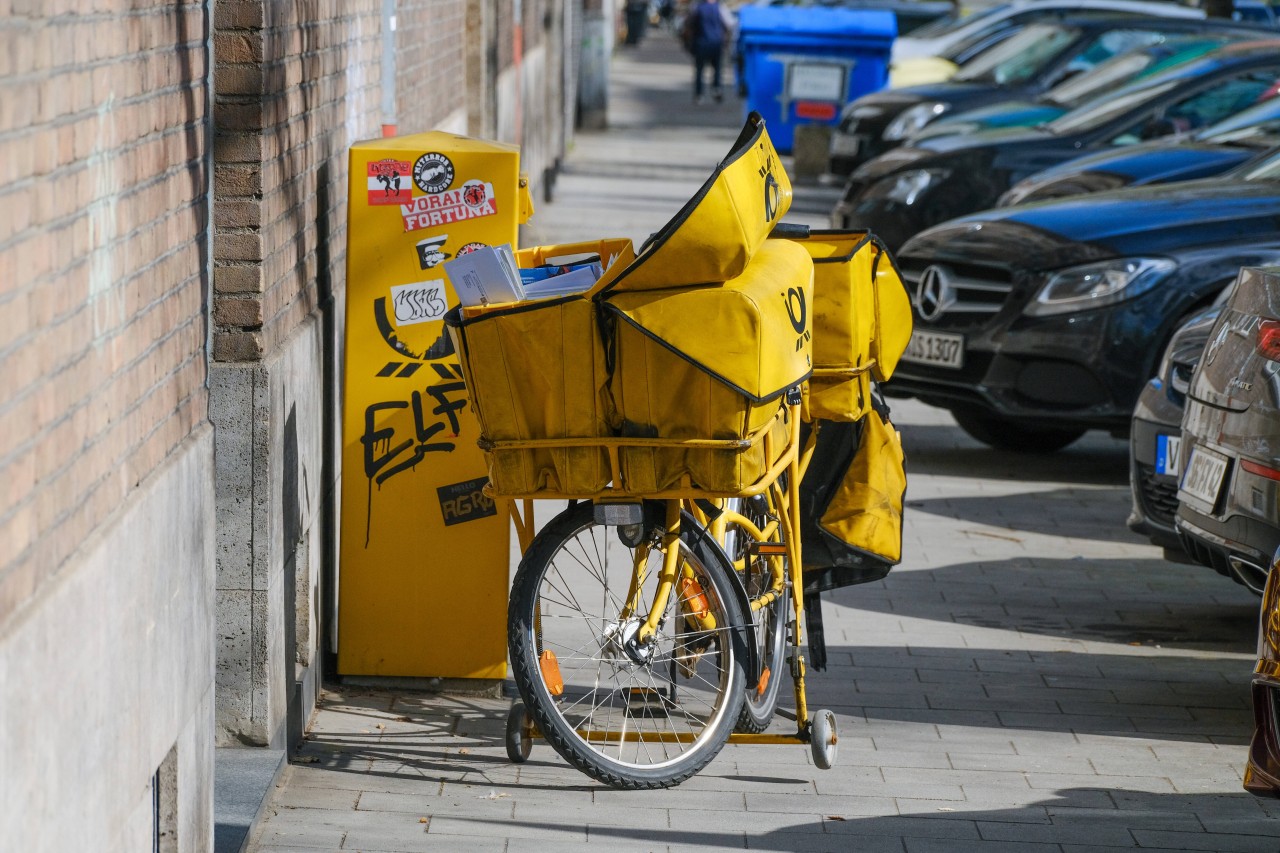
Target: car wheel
column 1007, row 434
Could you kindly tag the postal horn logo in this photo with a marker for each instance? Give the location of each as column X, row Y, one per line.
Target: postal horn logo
column 433, row 173
column 798, row 313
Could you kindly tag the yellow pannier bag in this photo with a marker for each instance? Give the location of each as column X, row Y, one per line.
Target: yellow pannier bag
column 714, row 235
column 866, row 509
column 854, row 322
column 536, row 370
column 711, row 362
column 893, row 317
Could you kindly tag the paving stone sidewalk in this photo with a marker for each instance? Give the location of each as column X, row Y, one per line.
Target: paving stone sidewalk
column 1033, row 677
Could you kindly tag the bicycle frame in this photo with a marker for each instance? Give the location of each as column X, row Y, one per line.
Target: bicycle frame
column 783, row 493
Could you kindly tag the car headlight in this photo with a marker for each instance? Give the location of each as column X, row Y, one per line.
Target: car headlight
column 906, row 187
column 912, row 119
column 1094, row 285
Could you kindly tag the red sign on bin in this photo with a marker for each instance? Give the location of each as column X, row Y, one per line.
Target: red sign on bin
column 815, row 110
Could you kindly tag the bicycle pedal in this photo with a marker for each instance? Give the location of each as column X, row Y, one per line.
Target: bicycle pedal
column 767, row 549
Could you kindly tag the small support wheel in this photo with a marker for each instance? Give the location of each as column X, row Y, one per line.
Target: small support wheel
column 519, row 740
column 823, row 739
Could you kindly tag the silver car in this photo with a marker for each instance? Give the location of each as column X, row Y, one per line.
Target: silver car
column 1228, row 515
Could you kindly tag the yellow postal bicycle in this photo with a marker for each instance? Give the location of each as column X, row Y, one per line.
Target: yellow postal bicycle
column 656, row 617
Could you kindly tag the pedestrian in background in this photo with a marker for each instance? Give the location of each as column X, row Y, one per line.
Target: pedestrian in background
column 705, row 34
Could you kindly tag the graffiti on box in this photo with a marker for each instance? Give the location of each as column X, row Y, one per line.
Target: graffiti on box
column 389, row 451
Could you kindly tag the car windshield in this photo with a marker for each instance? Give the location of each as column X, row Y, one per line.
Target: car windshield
column 1082, row 87
column 1019, row 58
column 950, row 23
column 1104, row 108
column 983, row 40
column 1256, row 127
column 1267, row 170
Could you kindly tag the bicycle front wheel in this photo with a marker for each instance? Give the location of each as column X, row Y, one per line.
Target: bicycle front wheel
column 629, row 715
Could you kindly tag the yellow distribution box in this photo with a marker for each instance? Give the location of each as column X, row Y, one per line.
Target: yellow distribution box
column 423, row 573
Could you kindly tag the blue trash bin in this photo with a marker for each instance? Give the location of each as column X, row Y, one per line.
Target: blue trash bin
column 804, row 63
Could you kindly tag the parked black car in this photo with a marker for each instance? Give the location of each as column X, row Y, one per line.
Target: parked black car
column 1035, row 323
column 1120, row 70
column 1155, row 435
column 1229, row 494
column 906, row 190
column 1039, row 57
column 1209, row 152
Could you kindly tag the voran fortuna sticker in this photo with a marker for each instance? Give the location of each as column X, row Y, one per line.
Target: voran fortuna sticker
column 471, row 201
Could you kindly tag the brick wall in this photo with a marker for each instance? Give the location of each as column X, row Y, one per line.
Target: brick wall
column 431, row 45
column 296, row 84
column 102, row 330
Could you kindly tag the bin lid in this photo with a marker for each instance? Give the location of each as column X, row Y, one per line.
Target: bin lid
column 817, row 20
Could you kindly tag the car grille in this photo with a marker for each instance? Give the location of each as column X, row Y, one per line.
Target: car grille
column 1159, row 495
column 975, row 292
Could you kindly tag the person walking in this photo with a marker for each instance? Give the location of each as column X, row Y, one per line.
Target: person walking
column 706, row 31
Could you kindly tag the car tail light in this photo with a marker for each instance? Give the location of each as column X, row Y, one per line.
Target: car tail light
column 1269, row 339
column 1260, row 470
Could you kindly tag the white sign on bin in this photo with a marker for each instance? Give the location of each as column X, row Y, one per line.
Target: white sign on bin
column 813, row 81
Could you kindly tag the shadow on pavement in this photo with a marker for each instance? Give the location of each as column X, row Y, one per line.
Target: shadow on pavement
column 1134, row 602
column 1094, row 818
column 1095, row 459
column 1055, row 512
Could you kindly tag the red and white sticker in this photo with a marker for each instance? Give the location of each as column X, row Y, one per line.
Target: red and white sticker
column 389, row 182
column 472, row 200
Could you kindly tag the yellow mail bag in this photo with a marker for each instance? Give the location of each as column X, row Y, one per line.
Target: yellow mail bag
column 711, row 362
column 712, row 238
column 866, row 509
column 536, row 370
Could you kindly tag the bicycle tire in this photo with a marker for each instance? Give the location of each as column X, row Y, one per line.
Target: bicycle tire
column 606, row 691
column 771, row 623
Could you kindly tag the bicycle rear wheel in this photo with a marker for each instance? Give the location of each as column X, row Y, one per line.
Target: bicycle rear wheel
column 632, row 717
column 771, row 621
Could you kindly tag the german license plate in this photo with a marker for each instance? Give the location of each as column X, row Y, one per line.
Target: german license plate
column 1168, row 452
column 936, row 348
column 1203, row 478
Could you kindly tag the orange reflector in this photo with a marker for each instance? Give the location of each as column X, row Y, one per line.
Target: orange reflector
column 550, row 668
column 764, row 683
column 815, row 110
column 1260, row 470
column 769, row 549
column 693, row 599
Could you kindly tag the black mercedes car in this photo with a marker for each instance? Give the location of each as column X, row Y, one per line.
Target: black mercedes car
column 1036, row 323
column 1229, row 494
column 1029, row 63
column 1155, row 436
column 1209, row 152
column 908, row 189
